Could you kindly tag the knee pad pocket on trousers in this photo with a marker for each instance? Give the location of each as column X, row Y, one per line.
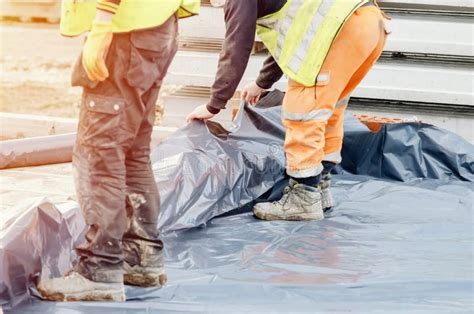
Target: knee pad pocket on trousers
column 100, row 119
column 303, row 103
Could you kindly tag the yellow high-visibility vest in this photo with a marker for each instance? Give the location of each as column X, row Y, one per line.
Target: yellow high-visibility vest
column 77, row 15
column 301, row 33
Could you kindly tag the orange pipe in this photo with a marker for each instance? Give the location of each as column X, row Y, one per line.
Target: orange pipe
column 37, row 151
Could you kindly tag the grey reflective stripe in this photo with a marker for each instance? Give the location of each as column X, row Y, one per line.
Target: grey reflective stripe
column 343, row 102
column 305, row 44
column 284, row 25
column 304, row 173
column 334, row 157
column 324, row 77
column 268, row 22
column 322, row 114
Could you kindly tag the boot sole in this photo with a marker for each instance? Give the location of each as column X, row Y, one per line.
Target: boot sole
column 145, row 280
column 96, row 295
column 306, row 216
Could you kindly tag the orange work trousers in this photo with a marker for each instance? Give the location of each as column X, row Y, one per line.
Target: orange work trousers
column 314, row 115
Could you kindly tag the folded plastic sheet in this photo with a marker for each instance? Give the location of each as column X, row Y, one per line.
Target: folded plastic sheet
column 386, row 246
column 40, row 238
column 404, row 151
column 204, row 170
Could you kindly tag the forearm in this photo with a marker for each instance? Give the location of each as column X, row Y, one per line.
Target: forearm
column 269, row 74
column 232, row 65
column 240, row 17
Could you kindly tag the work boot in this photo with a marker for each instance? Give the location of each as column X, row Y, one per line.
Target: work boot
column 150, row 273
column 143, row 276
column 75, row 287
column 325, row 186
column 299, row 202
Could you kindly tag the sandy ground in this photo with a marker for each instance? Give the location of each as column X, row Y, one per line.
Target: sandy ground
column 35, row 62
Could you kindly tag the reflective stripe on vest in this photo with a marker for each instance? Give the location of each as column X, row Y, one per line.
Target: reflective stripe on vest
column 284, row 25
column 301, row 33
column 303, row 48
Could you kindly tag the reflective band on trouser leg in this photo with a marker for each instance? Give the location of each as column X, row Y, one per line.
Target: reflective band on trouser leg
column 335, row 132
column 334, row 135
column 303, row 48
column 304, row 145
column 305, row 120
column 334, row 157
column 343, row 102
column 322, row 114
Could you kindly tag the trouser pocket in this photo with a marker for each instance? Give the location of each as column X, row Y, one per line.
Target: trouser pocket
column 100, row 120
column 152, row 50
column 79, row 76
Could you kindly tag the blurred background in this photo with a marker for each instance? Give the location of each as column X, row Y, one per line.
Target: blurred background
column 425, row 73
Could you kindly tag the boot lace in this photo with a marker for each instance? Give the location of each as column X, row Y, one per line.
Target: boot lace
column 290, row 193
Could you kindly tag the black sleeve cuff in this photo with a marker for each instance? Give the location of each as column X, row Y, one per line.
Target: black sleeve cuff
column 263, row 84
column 212, row 109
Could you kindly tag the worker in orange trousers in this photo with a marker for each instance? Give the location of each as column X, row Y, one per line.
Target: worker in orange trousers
column 313, row 115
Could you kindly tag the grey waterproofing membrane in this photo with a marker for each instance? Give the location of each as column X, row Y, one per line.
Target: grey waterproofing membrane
column 398, row 240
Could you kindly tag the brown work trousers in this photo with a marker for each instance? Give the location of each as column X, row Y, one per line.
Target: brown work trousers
column 114, row 181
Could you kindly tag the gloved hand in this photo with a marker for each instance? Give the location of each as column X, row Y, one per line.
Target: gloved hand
column 218, row 3
column 95, row 50
column 200, row 113
column 251, row 93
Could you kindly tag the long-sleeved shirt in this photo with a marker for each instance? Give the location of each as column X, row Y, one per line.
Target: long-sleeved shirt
column 241, row 24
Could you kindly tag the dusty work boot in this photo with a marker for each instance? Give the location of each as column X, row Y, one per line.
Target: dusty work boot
column 143, row 276
column 143, row 265
column 299, row 202
column 75, row 287
column 325, row 186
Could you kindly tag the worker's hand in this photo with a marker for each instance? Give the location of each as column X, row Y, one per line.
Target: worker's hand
column 200, row 113
column 218, row 3
column 95, row 50
column 251, row 93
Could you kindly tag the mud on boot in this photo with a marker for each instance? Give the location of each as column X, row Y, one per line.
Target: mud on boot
column 326, row 195
column 75, row 287
column 299, row 202
column 144, row 276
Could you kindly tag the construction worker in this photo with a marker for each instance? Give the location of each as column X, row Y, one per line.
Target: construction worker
column 123, row 62
column 325, row 48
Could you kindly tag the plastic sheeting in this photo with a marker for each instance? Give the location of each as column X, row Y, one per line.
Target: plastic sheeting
column 39, row 238
column 405, row 151
column 203, row 170
column 386, row 246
